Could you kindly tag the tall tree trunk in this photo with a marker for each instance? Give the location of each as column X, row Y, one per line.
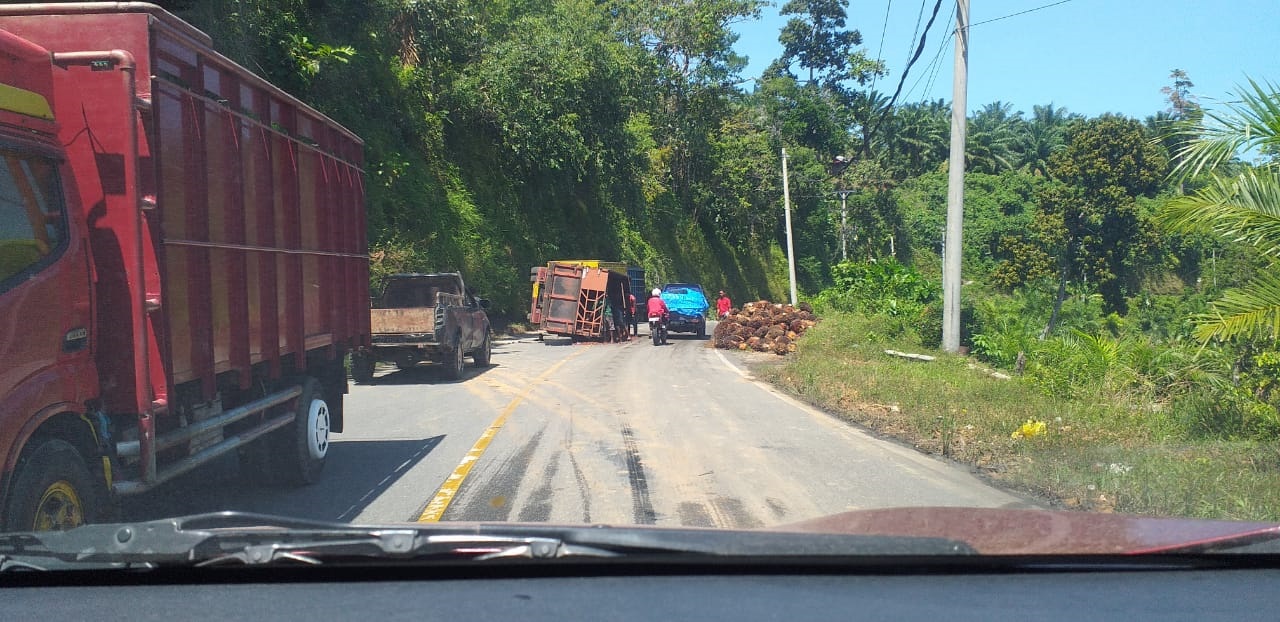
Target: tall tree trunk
column 1057, row 306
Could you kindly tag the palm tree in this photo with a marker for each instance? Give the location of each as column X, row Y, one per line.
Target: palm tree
column 867, row 110
column 991, row 138
column 1041, row 136
column 916, row 138
column 1239, row 203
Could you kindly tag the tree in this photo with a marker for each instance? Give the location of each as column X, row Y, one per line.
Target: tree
column 916, row 138
column 991, row 139
column 1242, row 206
column 691, row 46
column 1088, row 220
column 1042, row 136
column 1182, row 104
column 816, row 40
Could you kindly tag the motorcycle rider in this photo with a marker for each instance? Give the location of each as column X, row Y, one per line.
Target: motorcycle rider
column 657, row 308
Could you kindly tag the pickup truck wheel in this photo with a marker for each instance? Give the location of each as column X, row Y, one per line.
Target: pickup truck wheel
column 453, row 363
column 362, row 368
column 53, row 490
column 484, row 352
column 305, row 444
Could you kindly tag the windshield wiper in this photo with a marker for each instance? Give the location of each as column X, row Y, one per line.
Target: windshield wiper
column 226, row 538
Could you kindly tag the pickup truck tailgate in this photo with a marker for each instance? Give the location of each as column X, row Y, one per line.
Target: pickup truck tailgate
column 416, row 320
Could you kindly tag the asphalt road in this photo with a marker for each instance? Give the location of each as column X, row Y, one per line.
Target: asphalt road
column 629, row 433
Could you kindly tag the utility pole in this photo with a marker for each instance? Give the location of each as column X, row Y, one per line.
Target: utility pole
column 955, row 187
column 844, row 226
column 791, row 249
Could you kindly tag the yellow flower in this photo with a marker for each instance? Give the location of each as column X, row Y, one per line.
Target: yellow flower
column 1029, row 429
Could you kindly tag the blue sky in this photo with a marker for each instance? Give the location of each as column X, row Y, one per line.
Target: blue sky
column 1090, row 56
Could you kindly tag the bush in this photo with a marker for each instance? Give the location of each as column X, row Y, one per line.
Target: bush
column 1225, row 413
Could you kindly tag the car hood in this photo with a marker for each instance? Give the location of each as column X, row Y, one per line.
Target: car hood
column 1044, row 532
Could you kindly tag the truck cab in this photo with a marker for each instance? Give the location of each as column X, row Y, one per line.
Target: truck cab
column 46, row 297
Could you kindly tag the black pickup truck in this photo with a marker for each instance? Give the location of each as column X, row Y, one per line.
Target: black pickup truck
column 425, row 317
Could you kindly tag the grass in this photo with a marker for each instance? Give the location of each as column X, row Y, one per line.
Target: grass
column 1099, row 452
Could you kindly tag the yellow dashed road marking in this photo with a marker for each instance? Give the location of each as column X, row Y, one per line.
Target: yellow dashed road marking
column 449, row 489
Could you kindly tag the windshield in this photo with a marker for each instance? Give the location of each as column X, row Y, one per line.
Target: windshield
column 1065, row 299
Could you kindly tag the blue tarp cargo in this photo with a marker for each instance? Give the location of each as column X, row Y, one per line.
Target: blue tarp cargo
column 688, row 308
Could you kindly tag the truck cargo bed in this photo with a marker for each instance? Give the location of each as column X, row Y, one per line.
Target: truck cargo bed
column 226, row 217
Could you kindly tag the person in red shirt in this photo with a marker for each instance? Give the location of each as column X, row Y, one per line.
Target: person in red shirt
column 631, row 308
column 723, row 305
column 656, row 305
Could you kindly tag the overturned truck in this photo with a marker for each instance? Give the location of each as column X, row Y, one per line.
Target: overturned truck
column 583, row 300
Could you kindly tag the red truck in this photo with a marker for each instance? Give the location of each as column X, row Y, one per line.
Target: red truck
column 183, row 264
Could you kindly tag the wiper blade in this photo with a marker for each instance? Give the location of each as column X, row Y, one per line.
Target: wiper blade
column 239, row 538
column 243, row 538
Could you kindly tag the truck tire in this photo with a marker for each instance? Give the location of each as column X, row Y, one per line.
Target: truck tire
column 453, row 362
column 362, row 368
column 53, row 490
column 484, row 352
column 304, row 445
column 702, row 331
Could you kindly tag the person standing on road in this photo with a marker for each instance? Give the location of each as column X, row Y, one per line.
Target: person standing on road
column 723, row 305
column 631, row 308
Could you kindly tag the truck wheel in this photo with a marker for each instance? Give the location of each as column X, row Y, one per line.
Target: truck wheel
column 453, row 362
column 53, row 490
column 304, row 445
column 484, row 352
column 702, row 331
column 362, row 368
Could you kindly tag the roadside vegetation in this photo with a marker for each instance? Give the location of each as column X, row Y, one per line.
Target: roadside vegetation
column 1140, row 375
column 1120, row 440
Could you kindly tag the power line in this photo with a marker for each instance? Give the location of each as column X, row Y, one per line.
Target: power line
column 880, row 50
column 915, row 31
column 919, row 50
column 937, row 65
column 1032, row 10
column 931, row 70
column 905, row 70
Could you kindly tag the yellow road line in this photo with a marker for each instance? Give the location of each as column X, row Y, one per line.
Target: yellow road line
column 444, row 496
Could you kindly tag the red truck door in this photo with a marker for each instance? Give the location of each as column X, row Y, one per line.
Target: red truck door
column 45, row 321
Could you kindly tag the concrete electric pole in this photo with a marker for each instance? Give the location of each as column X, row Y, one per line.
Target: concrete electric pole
column 955, row 187
column 791, row 249
column 844, row 226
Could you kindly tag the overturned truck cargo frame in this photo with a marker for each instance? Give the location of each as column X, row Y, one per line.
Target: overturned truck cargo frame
column 570, row 296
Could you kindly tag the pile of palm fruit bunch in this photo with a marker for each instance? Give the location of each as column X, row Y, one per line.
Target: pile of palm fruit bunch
column 764, row 326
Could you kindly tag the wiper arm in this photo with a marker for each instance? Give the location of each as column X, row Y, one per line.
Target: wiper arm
column 243, row 538
column 225, row 538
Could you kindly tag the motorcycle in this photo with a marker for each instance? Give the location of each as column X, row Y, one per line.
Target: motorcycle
column 658, row 329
